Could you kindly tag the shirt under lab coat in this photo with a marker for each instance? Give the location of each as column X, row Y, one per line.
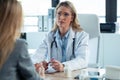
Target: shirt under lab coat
column 81, row 49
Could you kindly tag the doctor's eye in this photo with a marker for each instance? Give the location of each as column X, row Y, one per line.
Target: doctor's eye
column 63, row 14
column 59, row 14
column 66, row 14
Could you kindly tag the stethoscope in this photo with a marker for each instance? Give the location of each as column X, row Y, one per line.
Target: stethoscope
column 73, row 47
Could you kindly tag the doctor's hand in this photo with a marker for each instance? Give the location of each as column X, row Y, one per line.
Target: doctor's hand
column 57, row 65
column 45, row 65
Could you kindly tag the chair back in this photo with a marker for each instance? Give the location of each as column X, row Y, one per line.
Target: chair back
column 90, row 24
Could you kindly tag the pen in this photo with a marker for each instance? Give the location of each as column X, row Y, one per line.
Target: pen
column 49, row 63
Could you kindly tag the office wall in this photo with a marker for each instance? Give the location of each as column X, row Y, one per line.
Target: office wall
column 34, row 39
column 110, row 49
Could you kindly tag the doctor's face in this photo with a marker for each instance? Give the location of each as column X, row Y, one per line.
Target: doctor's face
column 63, row 18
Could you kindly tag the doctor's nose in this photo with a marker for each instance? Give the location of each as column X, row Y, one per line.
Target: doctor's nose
column 61, row 16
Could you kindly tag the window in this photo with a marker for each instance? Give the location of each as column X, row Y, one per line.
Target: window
column 32, row 10
column 90, row 6
column 118, row 11
column 35, row 8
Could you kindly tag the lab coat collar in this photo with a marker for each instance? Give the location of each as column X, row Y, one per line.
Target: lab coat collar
column 72, row 33
column 57, row 35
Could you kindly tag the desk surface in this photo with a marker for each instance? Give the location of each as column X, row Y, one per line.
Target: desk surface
column 61, row 76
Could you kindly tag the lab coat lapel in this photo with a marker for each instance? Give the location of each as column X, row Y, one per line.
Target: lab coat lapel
column 69, row 44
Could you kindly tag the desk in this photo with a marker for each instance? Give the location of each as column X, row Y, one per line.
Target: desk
column 61, row 76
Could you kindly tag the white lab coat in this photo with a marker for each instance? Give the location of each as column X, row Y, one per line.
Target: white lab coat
column 81, row 49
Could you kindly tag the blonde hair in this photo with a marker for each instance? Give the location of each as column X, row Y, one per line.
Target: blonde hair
column 10, row 26
column 75, row 23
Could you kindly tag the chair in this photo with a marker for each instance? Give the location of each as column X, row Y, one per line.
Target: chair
column 90, row 24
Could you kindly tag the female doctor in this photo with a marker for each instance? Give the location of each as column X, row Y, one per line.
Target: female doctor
column 67, row 43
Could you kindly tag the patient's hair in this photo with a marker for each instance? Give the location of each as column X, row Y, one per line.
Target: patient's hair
column 10, row 26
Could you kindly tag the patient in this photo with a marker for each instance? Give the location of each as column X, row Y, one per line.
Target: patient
column 15, row 62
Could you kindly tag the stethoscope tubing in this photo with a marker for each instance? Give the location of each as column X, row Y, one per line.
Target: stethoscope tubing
column 73, row 46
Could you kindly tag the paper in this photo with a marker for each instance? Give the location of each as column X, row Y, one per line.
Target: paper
column 50, row 69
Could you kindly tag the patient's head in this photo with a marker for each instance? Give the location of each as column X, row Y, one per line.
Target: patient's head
column 10, row 25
